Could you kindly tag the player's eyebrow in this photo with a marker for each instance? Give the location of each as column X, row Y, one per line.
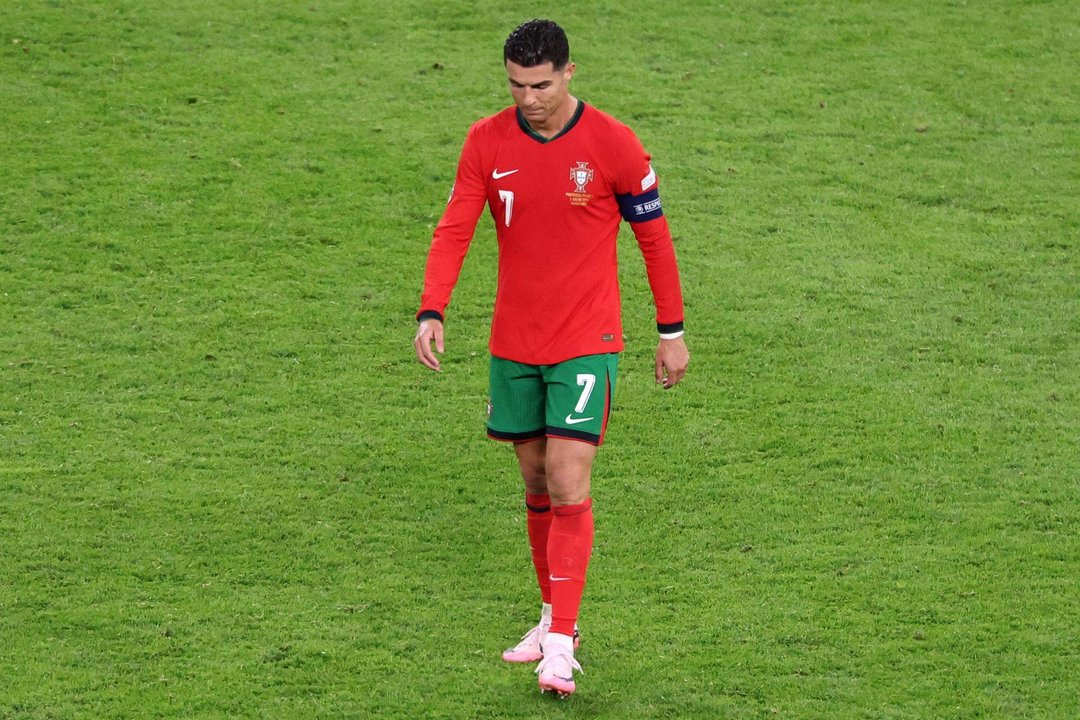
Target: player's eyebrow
column 534, row 86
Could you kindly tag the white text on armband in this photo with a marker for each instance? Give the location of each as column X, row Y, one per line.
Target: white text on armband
column 639, row 208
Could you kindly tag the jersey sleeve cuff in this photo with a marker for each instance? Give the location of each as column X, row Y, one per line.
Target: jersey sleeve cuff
column 670, row 331
column 429, row 315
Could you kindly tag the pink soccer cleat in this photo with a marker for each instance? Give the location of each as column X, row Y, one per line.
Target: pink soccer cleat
column 556, row 670
column 528, row 649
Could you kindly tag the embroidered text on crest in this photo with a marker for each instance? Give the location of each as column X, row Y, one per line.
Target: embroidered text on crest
column 581, row 175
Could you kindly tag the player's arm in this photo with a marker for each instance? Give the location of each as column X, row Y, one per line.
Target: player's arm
column 449, row 245
column 641, row 207
column 672, row 355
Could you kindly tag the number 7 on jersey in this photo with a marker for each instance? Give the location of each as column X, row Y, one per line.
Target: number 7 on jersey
column 507, row 196
column 588, row 381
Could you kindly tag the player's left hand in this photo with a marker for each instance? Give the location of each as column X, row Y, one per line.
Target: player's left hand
column 429, row 331
column 672, row 358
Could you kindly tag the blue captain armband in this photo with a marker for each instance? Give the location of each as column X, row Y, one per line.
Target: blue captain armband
column 639, row 208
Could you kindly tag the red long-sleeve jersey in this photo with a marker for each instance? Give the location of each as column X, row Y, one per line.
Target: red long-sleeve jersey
column 556, row 204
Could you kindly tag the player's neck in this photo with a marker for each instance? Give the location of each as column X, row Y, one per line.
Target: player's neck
column 558, row 120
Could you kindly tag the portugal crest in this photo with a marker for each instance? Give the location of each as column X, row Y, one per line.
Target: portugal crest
column 581, row 175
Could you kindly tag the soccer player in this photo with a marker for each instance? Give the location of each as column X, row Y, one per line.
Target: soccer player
column 558, row 176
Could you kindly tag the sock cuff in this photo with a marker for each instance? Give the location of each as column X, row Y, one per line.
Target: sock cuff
column 537, row 503
column 565, row 510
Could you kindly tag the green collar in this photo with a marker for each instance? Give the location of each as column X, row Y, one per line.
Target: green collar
column 566, row 128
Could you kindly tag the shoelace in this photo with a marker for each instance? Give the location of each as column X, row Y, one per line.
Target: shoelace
column 532, row 637
column 565, row 671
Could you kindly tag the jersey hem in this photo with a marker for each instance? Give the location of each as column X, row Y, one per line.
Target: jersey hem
column 559, row 359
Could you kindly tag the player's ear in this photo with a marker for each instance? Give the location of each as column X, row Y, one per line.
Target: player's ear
column 568, row 71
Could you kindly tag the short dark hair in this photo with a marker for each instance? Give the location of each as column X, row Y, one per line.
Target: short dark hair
column 536, row 42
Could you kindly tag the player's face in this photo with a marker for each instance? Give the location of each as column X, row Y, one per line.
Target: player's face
column 541, row 93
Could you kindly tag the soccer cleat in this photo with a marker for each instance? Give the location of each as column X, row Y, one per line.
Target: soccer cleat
column 556, row 671
column 528, row 650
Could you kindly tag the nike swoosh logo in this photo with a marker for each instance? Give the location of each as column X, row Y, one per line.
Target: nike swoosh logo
column 557, row 579
column 496, row 175
column 575, row 421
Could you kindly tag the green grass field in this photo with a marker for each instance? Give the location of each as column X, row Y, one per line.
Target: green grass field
column 230, row 491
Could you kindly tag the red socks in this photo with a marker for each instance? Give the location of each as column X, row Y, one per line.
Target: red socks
column 570, row 541
column 561, row 540
column 538, row 520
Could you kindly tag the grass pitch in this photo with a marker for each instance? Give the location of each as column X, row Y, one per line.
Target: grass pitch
column 230, row 491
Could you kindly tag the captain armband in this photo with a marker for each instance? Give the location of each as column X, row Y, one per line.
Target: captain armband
column 639, row 208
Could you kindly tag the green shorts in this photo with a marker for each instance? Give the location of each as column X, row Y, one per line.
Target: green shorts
column 571, row 399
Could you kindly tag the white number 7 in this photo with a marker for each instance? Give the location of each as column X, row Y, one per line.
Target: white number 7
column 507, row 196
column 589, row 381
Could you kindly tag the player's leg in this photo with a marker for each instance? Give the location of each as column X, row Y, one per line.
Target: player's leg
column 570, row 542
column 569, row 470
column 531, row 460
column 516, row 413
column 579, row 401
column 530, row 456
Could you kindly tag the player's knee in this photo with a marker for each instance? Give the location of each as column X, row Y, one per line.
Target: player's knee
column 534, row 474
column 535, row 481
column 569, row 495
column 568, row 488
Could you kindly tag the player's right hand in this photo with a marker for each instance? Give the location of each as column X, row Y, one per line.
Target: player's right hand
column 428, row 331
